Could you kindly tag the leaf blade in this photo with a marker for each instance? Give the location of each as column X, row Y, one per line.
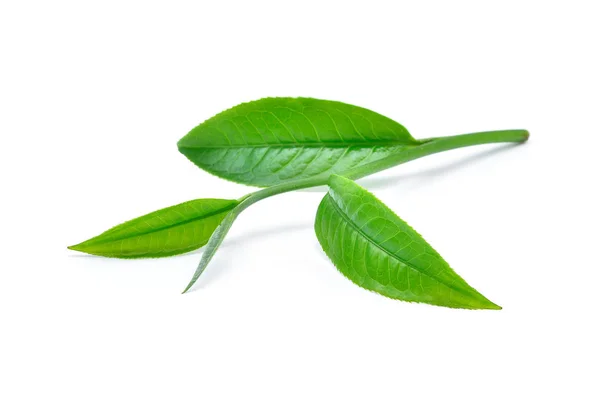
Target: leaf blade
column 211, row 247
column 275, row 140
column 166, row 232
column 376, row 250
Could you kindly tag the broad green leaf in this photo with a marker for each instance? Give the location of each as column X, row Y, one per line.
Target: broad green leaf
column 166, row 232
column 275, row 140
column 378, row 251
column 211, row 248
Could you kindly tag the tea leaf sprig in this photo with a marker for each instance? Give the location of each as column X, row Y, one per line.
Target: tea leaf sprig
column 286, row 144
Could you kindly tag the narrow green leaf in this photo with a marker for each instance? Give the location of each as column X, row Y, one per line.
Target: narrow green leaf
column 166, row 232
column 275, row 140
column 211, row 248
column 378, row 251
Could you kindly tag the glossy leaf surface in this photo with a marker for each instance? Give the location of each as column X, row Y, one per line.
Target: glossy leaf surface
column 378, row 251
column 166, row 232
column 275, row 140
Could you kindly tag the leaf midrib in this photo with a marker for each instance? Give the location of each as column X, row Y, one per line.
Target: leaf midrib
column 372, row 241
column 304, row 144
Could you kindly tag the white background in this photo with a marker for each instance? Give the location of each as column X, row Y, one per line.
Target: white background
column 95, row 95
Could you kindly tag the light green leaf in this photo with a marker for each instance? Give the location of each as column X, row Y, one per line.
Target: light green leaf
column 211, row 248
column 378, row 251
column 166, row 232
column 275, row 140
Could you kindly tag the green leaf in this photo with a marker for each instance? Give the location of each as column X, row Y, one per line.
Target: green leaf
column 166, row 232
column 378, row 251
column 211, row 248
column 275, row 140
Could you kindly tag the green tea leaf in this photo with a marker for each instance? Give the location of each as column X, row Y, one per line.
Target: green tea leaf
column 378, row 251
column 211, row 248
column 275, row 140
column 166, row 232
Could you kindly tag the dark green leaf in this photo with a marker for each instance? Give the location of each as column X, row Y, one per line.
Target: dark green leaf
column 166, row 232
column 378, row 251
column 275, row 140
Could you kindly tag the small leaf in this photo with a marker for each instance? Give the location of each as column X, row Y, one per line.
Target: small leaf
column 378, row 251
column 211, row 248
column 166, row 232
column 275, row 140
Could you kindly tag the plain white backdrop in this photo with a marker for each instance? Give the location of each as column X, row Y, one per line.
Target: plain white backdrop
column 95, row 95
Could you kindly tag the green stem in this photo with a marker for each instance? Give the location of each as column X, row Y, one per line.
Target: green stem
column 424, row 148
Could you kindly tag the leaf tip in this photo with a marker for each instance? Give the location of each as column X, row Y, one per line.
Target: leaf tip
column 76, row 247
column 483, row 303
column 489, row 305
column 189, row 286
column 87, row 248
column 186, row 289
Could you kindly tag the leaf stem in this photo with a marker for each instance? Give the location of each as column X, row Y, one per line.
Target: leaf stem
column 424, row 148
column 438, row 145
